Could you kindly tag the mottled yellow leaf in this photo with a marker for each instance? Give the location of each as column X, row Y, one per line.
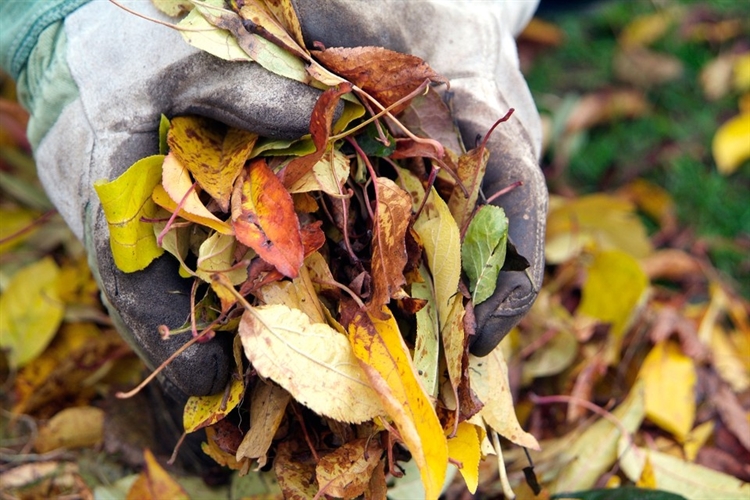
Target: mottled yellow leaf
column 489, row 379
column 669, row 384
column 346, row 471
column 597, row 221
column 465, row 448
column 452, row 334
column 384, row 357
column 327, row 175
column 442, row 246
column 125, row 201
column 213, row 153
column 614, row 288
column 312, row 361
column 202, row 411
column 731, row 144
column 30, row 311
column 177, row 183
column 75, row 427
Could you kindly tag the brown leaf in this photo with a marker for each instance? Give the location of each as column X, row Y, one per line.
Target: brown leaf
column 346, row 472
column 470, row 172
column 295, row 472
column 645, row 68
column 732, row 414
column 283, row 11
column 320, row 128
column 392, row 217
column 428, row 116
column 386, row 75
column 606, row 106
column 264, row 219
column 267, row 407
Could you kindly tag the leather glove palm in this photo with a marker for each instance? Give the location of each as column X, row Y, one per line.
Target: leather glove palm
column 129, row 71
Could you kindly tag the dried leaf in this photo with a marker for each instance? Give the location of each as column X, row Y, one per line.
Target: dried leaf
column 125, row 201
column 202, row 411
column 203, row 35
column 177, row 183
column 260, row 20
column 267, row 407
column 613, row 270
column 30, row 311
column 154, row 483
column 442, row 246
column 385, row 359
column 647, row 29
column 489, row 378
column 730, row 145
column 645, row 68
column 346, row 472
column 312, row 361
column 428, row 116
column 214, row 154
column 470, row 171
column 392, row 218
column 606, row 106
column 483, row 251
column 164, row 200
column 173, row 8
column 75, row 427
column 453, row 336
column 296, row 476
column 427, row 344
column 264, row 219
column 465, row 448
column 283, row 11
column 733, row 415
column 222, row 457
column 728, row 362
column 386, row 75
column 328, row 175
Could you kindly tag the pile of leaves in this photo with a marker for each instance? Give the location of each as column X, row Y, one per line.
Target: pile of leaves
column 348, row 267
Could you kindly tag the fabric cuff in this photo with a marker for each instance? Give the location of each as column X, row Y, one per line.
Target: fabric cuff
column 21, row 23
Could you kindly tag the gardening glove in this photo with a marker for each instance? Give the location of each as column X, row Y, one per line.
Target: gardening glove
column 472, row 44
column 116, row 74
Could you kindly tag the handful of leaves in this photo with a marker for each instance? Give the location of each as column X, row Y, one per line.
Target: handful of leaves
column 346, row 263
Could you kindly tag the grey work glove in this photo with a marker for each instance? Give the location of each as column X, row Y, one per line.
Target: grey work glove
column 472, row 44
column 128, row 71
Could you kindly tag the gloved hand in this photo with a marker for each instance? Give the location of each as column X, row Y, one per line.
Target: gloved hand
column 472, row 44
column 127, row 71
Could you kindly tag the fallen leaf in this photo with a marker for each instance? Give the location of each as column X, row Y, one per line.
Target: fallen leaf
column 154, row 483
column 613, row 270
column 465, row 449
column 30, row 311
column 391, row 220
column 76, row 427
column 470, row 172
column 346, row 471
column 427, row 343
column 212, row 152
column 442, row 246
column 606, row 106
column 202, row 411
column 283, row 11
column 312, row 361
column 730, row 145
column 489, row 378
column 645, row 68
column 264, row 219
column 596, row 448
column 647, row 29
column 385, row 359
column 268, row 404
column 222, row 457
column 173, row 8
column 328, row 175
column 601, row 221
column 15, row 220
column 385, row 74
column 732, row 414
column 483, row 251
column 428, row 116
column 741, row 75
column 716, row 76
column 669, row 383
column 164, row 200
column 296, row 476
column 453, row 335
column 125, row 201
column 728, row 362
column 679, row 476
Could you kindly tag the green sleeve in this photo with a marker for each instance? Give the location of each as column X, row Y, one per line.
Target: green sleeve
column 21, row 23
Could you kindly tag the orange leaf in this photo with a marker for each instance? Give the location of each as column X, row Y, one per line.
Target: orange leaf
column 385, row 359
column 385, row 74
column 389, row 256
column 264, row 219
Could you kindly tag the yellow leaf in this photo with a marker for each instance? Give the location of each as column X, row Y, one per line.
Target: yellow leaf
column 14, row 220
column 327, row 175
column 728, row 361
column 464, row 448
column 647, row 479
column 613, row 290
column 297, row 294
column 442, row 246
column 741, row 77
column 646, row 29
column 381, row 351
column 427, row 344
column 154, row 483
column 669, row 379
column 178, row 185
column 205, row 36
column 731, row 144
column 76, row 427
column 216, row 254
column 600, row 221
column 213, row 154
column 346, row 471
column 267, row 407
column 679, row 476
column 489, row 379
column 162, row 198
column 697, row 438
column 312, row 361
column 202, row 411
column 125, row 201
column 30, row 311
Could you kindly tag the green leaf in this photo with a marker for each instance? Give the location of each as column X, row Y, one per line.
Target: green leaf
column 30, row 311
column 163, row 131
column 125, row 201
column 483, row 251
column 624, row 493
column 371, row 143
